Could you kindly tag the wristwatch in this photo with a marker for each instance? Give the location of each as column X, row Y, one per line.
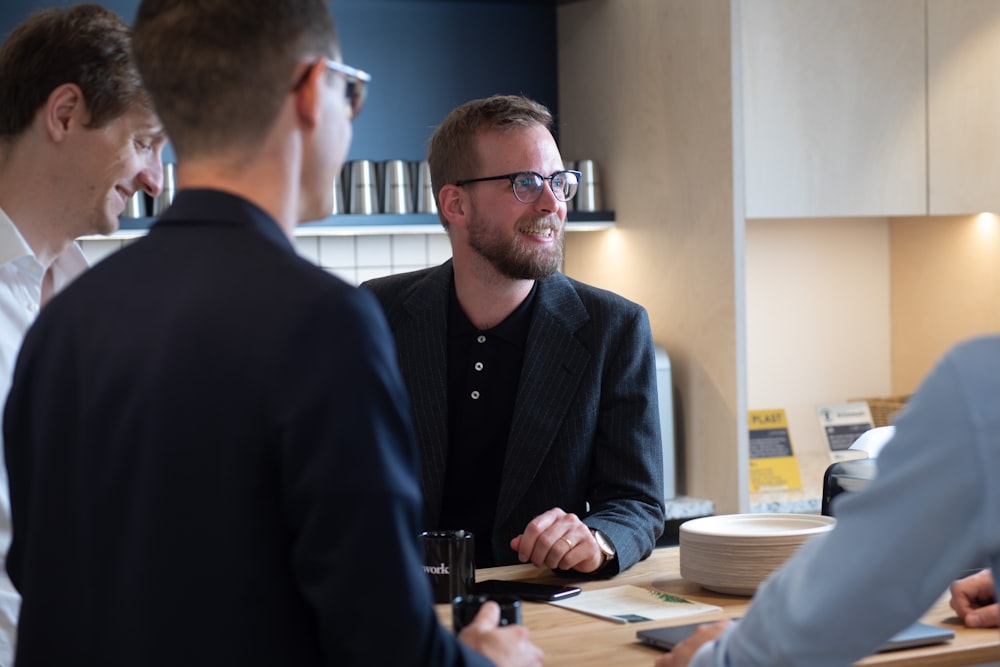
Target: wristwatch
column 604, row 544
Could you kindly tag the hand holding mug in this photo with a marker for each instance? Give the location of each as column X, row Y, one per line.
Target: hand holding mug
column 507, row 646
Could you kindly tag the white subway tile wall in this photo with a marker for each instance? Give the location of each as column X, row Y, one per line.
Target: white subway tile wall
column 336, row 252
column 308, row 247
column 97, row 250
column 355, row 259
column 373, row 252
column 438, row 249
column 409, row 252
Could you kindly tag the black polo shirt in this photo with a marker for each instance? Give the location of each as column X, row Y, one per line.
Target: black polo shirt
column 484, row 368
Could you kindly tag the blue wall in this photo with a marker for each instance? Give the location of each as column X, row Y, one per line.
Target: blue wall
column 425, row 57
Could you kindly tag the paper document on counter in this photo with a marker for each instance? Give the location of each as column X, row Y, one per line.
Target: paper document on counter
column 633, row 604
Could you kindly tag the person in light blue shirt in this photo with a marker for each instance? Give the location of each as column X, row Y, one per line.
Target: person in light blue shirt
column 932, row 512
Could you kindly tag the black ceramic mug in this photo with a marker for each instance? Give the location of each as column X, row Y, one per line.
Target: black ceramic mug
column 465, row 607
column 449, row 561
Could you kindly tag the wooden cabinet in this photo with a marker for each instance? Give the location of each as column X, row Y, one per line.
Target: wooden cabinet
column 860, row 108
column 963, row 106
column 834, row 107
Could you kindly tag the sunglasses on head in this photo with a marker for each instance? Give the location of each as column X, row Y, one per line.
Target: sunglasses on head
column 357, row 83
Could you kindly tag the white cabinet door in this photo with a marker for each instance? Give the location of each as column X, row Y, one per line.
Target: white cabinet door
column 834, row 107
column 963, row 109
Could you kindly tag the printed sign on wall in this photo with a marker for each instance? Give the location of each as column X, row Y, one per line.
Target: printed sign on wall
column 773, row 466
column 842, row 424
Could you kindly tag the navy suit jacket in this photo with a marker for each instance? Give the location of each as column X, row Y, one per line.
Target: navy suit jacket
column 585, row 429
column 212, row 462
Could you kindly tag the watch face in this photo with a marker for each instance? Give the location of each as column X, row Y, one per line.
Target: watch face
column 604, row 543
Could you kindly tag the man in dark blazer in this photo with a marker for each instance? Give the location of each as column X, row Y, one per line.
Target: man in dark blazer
column 533, row 395
column 210, row 452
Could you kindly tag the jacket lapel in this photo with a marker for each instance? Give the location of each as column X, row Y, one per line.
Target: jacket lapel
column 554, row 363
column 422, row 340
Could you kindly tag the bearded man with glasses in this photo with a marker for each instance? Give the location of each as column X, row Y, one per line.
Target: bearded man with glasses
column 533, row 394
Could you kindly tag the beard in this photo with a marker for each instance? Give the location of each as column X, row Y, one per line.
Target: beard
column 514, row 257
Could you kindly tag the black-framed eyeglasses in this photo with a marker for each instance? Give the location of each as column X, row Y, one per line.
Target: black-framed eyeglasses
column 357, row 84
column 527, row 185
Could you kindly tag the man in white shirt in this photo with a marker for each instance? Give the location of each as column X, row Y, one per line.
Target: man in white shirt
column 78, row 137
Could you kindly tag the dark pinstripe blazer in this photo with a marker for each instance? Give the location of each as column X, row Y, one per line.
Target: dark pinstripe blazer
column 585, row 430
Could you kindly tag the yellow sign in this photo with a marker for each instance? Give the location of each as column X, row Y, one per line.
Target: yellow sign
column 773, row 466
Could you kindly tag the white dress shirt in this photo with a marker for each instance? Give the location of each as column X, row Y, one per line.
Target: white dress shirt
column 21, row 276
column 932, row 512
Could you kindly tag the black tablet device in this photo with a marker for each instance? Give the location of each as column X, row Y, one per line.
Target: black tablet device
column 918, row 634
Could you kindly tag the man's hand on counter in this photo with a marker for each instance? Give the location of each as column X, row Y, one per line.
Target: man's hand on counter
column 559, row 540
column 974, row 600
column 507, row 646
column 681, row 654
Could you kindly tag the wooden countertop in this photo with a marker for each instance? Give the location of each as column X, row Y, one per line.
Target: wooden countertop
column 573, row 639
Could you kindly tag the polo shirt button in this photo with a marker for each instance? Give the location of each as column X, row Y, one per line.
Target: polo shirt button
column 481, row 339
column 475, row 395
column 479, row 365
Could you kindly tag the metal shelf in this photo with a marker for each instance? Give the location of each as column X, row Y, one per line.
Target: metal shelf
column 377, row 224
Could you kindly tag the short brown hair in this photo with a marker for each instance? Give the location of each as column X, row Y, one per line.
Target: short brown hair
column 452, row 153
column 219, row 70
column 87, row 45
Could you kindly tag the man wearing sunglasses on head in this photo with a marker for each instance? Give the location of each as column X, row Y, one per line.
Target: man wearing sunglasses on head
column 210, row 451
column 533, row 395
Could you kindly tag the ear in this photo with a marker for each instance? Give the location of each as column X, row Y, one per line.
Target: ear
column 308, row 97
column 64, row 109
column 453, row 204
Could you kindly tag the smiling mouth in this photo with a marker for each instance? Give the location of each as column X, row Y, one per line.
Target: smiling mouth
column 543, row 230
column 124, row 196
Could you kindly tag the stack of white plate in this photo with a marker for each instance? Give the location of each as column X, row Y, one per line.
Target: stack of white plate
column 734, row 553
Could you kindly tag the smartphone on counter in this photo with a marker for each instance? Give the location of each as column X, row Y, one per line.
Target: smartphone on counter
column 526, row 590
